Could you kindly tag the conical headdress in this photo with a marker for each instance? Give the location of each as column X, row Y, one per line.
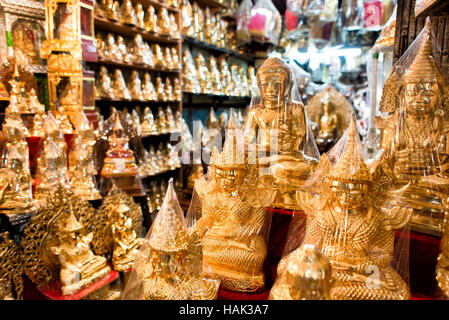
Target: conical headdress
column 351, row 167
column 233, row 154
column 72, row 224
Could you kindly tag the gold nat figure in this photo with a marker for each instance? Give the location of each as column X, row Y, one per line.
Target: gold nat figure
column 169, row 265
column 279, row 123
column 352, row 220
column 233, row 217
column 415, row 131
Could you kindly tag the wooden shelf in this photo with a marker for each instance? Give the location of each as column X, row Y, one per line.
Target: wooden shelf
column 154, row 136
column 217, row 96
column 213, row 3
column 135, row 66
column 216, row 50
column 156, row 5
column 134, row 101
column 129, row 31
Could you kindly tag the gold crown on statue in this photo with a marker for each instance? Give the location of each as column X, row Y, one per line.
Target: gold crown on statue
column 232, row 157
column 351, row 167
column 72, row 224
column 423, row 67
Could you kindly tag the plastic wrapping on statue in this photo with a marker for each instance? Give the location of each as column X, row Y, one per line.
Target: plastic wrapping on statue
column 415, row 130
column 265, row 22
column 228, row 210
column 278, row 129
column 355, row 221
column 169, row 265
column 242, row 17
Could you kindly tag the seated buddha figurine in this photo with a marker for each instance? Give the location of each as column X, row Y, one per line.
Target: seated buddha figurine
column 34, row 106
column 159, row 60
column 135, row 86
column 169, row 264
column 252, row 80
column 123, row 48
column 170, row 120
column 148, row 91
column 236, row 80
column 111, row 50
column 210, row 29
column 163, row 23
column 415, row 131
column 111, row 10
column 119, row 86
column 168, row 58
column 140, row 16
column 243, row 80
column 53, row 130
column 168, row 90
column 351, row 219
column 214, row 76
column 148, row 125
column 151, row 20
column 64, row 122
column 198, row 22
column 138, row 51
column 279, row 124
column 233, row 218
column 176, row 34
column 161, row 121
column 103, row 84
column 79, row 266
column 127, row 13
column 150, row 56
column 190, row 82
column 226, row 80
column 203, row 74
column 187, row 19
column 135, row 123
column 160, row 90
column 177, row 90
column 175, row 58
column 37, row 130
column 119, row 160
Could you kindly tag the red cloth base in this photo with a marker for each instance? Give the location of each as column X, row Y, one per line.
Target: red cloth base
column 53, row 291
column 224, row 294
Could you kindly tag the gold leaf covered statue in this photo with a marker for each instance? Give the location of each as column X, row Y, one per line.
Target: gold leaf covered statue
column 286, row 150
column 148, row 125
column 190, row 82
column 160, row 90
column 202, row 72
column 351, row 219
column 135, row 86
column 119, row 86
column 164, row 24
column 103, row 85
column 127, row 13
column 330, row 110
column 11, row 269
column 57, row 245
column 214, row 76
column 233, row 223
column 169, row 265
column 151, row 20
column 416, row 129
column 187, row 19
column 307, row 276
column 148, row 91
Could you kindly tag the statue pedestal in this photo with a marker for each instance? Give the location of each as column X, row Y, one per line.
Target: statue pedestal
column 53, row 291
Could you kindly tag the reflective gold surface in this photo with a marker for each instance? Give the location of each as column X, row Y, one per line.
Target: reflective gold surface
column 11, row 269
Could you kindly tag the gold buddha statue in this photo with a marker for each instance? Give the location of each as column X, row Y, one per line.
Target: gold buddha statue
column 148, row 91
column 236, row 80
column 168, row 90
column 233, row 217
column 37, row 129
column 136, row 122
column 168, row 58
column 79, row 266
column 162, row 162
column 135, row 86
column 63, row 120
column 190, row 82
column 210, row 28
column 187, row 19
column 17, row 195
column 222, row 29
column 203, row 74
column 148, row 125
column 103, row 84
column 149, row 53
column 175, row 32
column 214, row 76
column 415, row 131
column 53, row 129
column 119, row 160
column 127, row 57
column 124, row 221
column 164, row 24
column 160, row 90
column 140, row 16
column 161, row 121
column 11, row 269
column 138, row 51
column 307, row 276
column 159, row 60
column 127, row 13
column 111, row 51
column 119, row 86
column 352, row 221
column 111, row 10
column 226, row 80
column 151, row 20
column 279, row 124
column 243, row 81
column 175, row 58
column 198, row 22
column 169, row 264
column 171, row 124
column 177, row 90
column 34, row 106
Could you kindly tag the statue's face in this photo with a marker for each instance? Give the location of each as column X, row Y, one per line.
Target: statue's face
column 272, row 87
column 228, row 180
column 420, row 97
column 348, row 196
column 74, row 237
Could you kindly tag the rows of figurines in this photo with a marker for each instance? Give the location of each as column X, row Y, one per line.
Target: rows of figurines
column 218, row 78
column 115, row 87
column 136, row 52
column 162, row 23
column 203, row 25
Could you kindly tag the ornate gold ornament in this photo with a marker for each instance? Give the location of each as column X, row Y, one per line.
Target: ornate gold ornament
column 11, row 269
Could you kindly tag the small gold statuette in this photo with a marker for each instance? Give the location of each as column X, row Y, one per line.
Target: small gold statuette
column 203, row 74
column 187, row 19
column 11, row 269
column 307, row 276
column 151, row 20
column 123, row 48
column 169, row 265
column 177, row 90
column 135, row 86
column 161, row 121
column 57, row 245
column 168, row 58
column 190, row 82
column 159, row 60
column 175, row 58
column 233, row 217
column 140, row 16
column 119, row 86
column 352, row 221
column 175, row 32
column 168, row 90
column 139, row 51
column 279, row 116
column 148, row 125
column 103, row 84
column 214, row 76
column 127, row 13
column 111, row 10
column 148, row 91
column 160, row 90
column 164, row 24
column 198, row 22
column 111, row 50
column 226, row 80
